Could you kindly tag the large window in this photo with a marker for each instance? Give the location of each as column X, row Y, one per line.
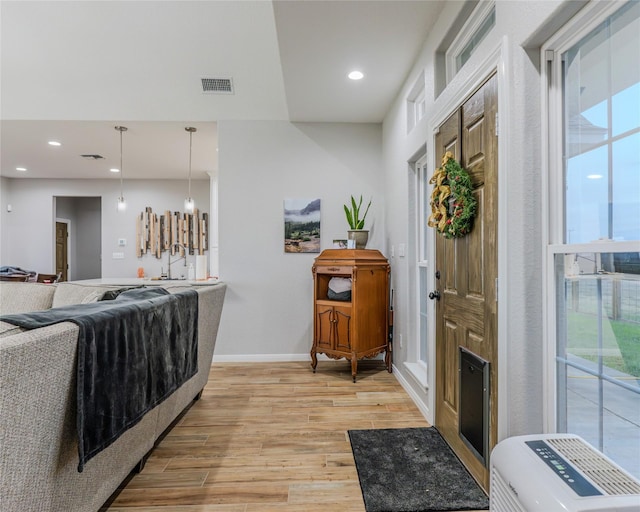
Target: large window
column 598, row 351
column 594, row 228
column 602, row 131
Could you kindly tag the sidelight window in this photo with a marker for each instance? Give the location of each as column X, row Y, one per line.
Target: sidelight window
column 422, row 282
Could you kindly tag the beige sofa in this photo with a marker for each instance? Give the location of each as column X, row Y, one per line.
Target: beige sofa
column 38, row 440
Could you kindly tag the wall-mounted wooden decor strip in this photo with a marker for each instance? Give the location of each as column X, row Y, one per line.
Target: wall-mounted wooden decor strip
column 138, row 236
column 204, row 243
column 174, row 232
column 196, row 230
column 186, row 231
column 156, row 234
column 158, row 238
column 180, row 235
column 152, row 232
column 167, row 230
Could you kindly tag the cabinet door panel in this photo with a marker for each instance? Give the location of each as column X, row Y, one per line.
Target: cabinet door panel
column 324, row 327
column 342, row 317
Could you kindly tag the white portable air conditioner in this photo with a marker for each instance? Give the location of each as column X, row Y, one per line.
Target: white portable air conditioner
column 558, row 472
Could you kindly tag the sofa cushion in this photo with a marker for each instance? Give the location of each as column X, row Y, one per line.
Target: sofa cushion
column 25, row 297
column 7, row 329
column 68, row 293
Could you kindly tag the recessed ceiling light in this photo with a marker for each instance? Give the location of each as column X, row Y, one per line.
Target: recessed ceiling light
column 356, row 75
column 21, row 169
column 114, row 170
column 594, row 176
column 54, row 143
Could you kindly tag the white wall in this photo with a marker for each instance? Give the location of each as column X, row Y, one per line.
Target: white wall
column 268, row 308
column 89, row 242
column 520, row 263
column 5, row 192
column 28, row 231
column 85, row 236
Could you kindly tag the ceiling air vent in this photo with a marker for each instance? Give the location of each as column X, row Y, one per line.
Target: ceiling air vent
column 217, row 85
column 93, row 157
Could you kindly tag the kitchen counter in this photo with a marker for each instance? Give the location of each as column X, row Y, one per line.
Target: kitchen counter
column 146, row 281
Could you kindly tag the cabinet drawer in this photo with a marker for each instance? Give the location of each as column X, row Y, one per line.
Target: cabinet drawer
column 334, row 269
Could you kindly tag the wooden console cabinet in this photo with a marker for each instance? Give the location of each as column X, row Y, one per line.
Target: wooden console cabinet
column 351, row 329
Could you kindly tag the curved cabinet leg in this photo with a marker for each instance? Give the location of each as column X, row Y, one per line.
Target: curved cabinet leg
column 387, row 360
column 314, row 360
column 354, row 366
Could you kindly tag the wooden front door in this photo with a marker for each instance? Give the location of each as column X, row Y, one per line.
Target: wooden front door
column 466, row 314
column 62, row 238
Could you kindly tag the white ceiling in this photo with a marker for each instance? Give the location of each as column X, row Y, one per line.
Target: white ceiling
column 72, row 70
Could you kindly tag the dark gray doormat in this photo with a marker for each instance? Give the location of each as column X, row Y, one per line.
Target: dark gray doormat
column 412, row 470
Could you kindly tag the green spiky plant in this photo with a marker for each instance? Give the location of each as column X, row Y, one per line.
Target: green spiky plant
column 353, row 213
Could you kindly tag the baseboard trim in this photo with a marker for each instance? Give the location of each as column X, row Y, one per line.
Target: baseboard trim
column 265, row 358
column 424, row 410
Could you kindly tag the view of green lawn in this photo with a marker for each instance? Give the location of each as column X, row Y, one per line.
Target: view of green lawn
column 620, row 341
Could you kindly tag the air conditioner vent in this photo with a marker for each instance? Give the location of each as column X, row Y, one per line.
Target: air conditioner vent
column 501, row 497
column 217, row 85
column 599, row 470
column 93, row 157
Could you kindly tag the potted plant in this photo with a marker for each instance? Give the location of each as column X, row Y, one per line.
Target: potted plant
column 356, row 223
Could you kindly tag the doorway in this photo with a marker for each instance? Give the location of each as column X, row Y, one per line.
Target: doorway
column 82, row 217
column 62, row 249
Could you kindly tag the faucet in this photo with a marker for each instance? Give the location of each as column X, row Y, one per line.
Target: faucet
column 169, row 263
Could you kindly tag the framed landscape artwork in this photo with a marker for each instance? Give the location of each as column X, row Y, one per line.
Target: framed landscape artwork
column 302, row 225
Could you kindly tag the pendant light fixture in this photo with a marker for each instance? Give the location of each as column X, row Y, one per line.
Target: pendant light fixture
column 122, row 205
column 189, row 203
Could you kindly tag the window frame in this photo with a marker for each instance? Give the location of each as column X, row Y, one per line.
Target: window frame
column 415, row 99
column 468, row 31
column 553, row 200
column 417, row 363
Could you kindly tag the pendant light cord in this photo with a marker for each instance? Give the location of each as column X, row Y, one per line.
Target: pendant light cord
column 121, row 169
column 190, row 140
column 121, row 129
column 189, row 204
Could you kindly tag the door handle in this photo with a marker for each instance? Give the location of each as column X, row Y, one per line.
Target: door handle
column 434, row 295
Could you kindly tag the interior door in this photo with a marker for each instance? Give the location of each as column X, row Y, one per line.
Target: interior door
column 62, row 239
column 466, row 313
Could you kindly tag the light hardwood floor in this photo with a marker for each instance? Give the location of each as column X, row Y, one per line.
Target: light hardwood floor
column 270, row 437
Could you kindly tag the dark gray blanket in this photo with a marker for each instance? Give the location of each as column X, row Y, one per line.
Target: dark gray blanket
column 17, row 271
column 133, row 352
